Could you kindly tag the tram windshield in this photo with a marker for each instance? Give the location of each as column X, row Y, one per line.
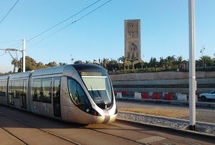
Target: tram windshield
column 99, row 90
column 98, row 85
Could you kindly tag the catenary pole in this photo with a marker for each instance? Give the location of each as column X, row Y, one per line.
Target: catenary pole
column 23, row 55
column 192, row 73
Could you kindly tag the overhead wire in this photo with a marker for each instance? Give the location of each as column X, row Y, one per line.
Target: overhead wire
column 63, row 21
column 72, row 22
column 15, row 42
column 9, row 11
column 9, row 41
column 3, row 54
column 4, row 19
column 34, row 37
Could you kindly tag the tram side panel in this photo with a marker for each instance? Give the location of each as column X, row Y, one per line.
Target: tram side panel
column 18, row 93
column 3, row 91
column 66, row 103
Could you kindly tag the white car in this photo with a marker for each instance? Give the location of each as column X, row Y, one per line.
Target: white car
column 207, row 96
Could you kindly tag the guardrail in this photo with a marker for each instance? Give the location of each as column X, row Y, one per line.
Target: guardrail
column 154, row 95
column 164, row 98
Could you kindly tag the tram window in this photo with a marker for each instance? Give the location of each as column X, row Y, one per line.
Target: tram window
column 24, row 89
column 11, row 93
column 47, row 90
column 42, row 90
column 56, row 96
column 36, row 89
column 16, row 88
column 56, row 89
column 77, row 93
column 2, row 89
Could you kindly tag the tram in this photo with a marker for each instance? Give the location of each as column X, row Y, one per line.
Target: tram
column 79, row 93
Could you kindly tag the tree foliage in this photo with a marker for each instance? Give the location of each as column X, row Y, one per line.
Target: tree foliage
column 124, row 60
column 121, row 65
column 31, row 64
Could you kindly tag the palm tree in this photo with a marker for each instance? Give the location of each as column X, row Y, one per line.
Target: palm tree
column 170, row 60
column 132, row 60
column 162, row 62
column 179, row 61
column 206, row 61
column 123, row 59
column 105, row 61
column 15, row 64
column 153, row 62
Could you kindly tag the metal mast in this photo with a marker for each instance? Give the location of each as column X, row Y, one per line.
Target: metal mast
column 23, row 53
column 192, row 73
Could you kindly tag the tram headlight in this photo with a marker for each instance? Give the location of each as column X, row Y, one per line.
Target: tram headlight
column 92, row 112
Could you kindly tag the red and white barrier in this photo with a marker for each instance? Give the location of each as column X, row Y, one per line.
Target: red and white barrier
column 145, row 95
column 137, row 95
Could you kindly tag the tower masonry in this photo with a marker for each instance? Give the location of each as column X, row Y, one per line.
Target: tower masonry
column 132, row 39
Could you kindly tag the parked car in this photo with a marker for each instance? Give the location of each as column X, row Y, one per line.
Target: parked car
column 207, row 96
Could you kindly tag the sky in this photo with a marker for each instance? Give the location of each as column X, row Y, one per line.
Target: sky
column 87, row 30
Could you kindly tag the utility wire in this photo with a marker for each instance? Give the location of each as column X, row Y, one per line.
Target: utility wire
column 9, row 41
column 60, row 23
column 3, row 54
column 72, row 22
column 15, row 43
column 9, row 11
column 63, row 21
column 82, row 17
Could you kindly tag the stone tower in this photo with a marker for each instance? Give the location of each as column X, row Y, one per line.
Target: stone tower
column 132, row 39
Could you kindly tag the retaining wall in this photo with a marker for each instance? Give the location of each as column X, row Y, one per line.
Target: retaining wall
column 172, row 82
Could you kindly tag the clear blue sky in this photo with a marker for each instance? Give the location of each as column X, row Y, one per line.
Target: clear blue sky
column 164, row 29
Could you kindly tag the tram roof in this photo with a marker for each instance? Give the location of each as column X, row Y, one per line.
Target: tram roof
column 67, row 70
column 49, row 71
column 59, row 70
column 4, row 77
column 20, row 75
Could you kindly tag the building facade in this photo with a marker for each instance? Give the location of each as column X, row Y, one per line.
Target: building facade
column 132, row 39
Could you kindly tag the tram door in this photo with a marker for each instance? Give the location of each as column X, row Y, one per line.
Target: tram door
column 23, row 94
column 10, row 94
column 56, row 97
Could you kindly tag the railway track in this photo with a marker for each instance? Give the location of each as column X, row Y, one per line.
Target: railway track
column 25, row 128
column 47, row 132
column 11, row 138
column 19, row 136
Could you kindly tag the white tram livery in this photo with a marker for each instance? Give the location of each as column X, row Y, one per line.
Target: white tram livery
column 79, row 93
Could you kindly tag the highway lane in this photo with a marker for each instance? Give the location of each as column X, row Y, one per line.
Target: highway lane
column 26, row 128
